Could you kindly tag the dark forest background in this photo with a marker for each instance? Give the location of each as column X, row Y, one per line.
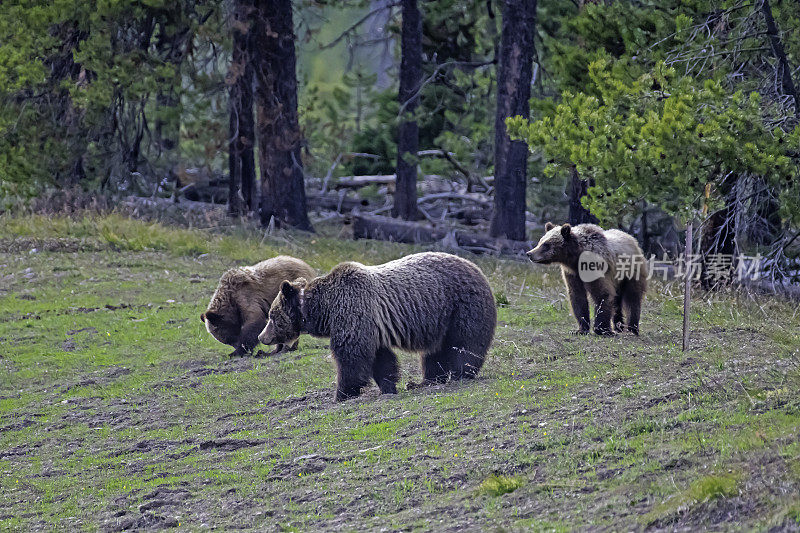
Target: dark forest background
column 472, row 122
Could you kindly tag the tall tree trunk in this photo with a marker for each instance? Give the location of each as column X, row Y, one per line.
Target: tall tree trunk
column 405, row 195
column 578, row 214
column 167, row 130
column 647, row 246
column 718, row 243
column 171, row 46
column 234, row 154
column 282, row 192
column 513, row 92
column 784, row 70
column 717, row 247
column 247, row 138
column 241, row 162
column 578, row 187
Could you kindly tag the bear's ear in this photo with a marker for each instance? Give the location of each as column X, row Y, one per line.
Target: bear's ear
column 203, row 318
column 566, row 230
column 549, row 226
column 288, row 289
column 214, row 318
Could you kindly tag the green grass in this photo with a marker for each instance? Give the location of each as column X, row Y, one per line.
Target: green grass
column 497, row 485
column 700, row 491
column 113, row 396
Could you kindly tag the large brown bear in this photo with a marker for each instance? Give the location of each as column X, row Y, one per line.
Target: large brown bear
column 434, row 303
column 565, row 245
column 238, row 309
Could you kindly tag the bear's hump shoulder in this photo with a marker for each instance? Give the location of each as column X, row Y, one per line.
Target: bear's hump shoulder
column 622, row 243
column 235, row 278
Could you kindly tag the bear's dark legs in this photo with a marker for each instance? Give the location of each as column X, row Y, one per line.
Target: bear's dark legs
column 466, row 363
column 602, row 315
column 385, row 371
column 619, row 321
column 435, row 368
column 248, row 337
column 604, row 296
column 632, row 301
column 345, row 392
column 465, row 346
column 354, row 364
column 578, row 301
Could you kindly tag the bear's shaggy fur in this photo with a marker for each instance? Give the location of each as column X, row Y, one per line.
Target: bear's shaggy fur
column 434, row 303
column 238, row 309
column 564, row 245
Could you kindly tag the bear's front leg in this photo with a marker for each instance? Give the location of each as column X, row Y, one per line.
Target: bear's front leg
column 275, row 351
column 248, row 338
column 602, row 315
column 619, row 322
column 385, row 371
column 238, row 352
column 354, row 359
column 578, row 302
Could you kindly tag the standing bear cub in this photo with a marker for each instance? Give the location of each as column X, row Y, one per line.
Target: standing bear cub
column 613, row 291
column 238, row 309
column 434, row 303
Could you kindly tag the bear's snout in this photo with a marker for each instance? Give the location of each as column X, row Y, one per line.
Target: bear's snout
column 534, row 255
column 267, row 335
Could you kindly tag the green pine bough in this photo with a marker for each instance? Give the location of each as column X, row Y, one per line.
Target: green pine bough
column 663, row 139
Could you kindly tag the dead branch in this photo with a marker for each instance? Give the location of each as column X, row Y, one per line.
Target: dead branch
column 356, row 182
column 334, row 201
column 391, row 229
column 356, row 24
column 466, row 197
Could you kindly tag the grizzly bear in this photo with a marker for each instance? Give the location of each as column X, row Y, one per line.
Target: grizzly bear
column 434, row 303
column 238, row 309
column 612, row 291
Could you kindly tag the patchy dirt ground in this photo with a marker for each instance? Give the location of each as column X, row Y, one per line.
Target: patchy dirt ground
column 118, row 411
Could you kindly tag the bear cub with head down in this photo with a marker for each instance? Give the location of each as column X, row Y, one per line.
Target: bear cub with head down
column 434, row 303
column 238, row 309
column 565, row 244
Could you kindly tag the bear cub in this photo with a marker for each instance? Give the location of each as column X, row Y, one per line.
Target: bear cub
column 434, row 303
column 566, row 244
column 238, row 309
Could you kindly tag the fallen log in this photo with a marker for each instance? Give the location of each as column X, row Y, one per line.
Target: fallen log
column 463, row 196
column 429, row 183
column 390, row 229
column 356, row 182
column 333, row 201
column 168, row 203
column 472, row 216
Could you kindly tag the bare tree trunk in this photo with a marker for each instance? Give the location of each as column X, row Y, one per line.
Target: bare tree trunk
column 716, row 244
column 247, row 141
column 405, row 195
column 717, row 241
column 171, row 45
column 234, row 154
column 578, row 214
column 241, row 161
column 513, row 92
column 784, row 70
column 647, row 246
column 282, row 191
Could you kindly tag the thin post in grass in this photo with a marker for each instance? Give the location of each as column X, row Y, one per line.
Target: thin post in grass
column 687, row 286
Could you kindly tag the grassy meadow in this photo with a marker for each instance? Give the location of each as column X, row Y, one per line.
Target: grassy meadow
column 118, row 410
